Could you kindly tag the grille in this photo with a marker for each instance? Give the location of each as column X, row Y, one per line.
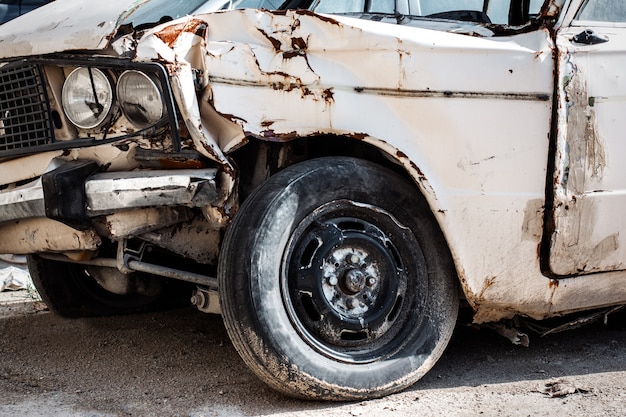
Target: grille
column 24, row 121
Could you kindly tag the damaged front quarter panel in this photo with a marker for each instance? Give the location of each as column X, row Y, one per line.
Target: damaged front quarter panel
column 286, row 75
column 181, row 47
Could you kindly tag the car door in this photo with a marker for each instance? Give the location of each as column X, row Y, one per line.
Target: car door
column 589, row 185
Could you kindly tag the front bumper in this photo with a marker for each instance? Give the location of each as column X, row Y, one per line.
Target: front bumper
column 73, row 194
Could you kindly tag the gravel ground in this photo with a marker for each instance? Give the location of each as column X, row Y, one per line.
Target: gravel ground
column 181, row 363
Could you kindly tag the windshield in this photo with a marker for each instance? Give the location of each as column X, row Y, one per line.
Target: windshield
column 157, row 10
column 501, row 12
column 253, row 4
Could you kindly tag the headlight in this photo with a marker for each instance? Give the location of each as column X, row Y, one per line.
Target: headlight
column 139, row 98
column 87, row 97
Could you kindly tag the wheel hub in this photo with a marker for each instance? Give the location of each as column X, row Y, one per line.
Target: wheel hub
column 349, row 283
column 353, row 281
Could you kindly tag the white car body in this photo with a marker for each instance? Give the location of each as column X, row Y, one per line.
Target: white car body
column 514, row 140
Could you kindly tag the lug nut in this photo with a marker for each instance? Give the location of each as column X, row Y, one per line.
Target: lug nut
column 333, row 280
column 371, row 281
column 353, row 259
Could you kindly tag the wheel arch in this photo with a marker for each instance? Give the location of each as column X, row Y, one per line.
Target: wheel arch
column 278, row 154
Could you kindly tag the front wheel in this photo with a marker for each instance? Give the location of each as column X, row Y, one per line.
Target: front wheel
column 336, row 283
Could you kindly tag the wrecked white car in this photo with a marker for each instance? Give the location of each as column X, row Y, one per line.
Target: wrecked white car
column 333, row 181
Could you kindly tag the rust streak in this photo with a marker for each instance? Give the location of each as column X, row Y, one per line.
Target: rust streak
column 488, row 283
column 232, row 117
column 181, row 163
column 298, row 43
column 328, row 95
column 170, row 34
column 326, row 19
column 271, row 136
column 420, row 174
column 293, row 54
column 275, row 42
column 358, row 136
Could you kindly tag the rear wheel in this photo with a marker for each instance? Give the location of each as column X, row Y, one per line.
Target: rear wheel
column 335, row 281
column 71, row 290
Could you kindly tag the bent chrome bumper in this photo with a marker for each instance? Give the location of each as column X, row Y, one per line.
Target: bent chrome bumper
column 64, row 195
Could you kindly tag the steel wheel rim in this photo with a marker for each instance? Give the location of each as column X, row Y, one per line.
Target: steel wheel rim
column 345, row 284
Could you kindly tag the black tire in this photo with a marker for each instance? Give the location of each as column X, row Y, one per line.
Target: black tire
column 336, row 283
column 69, row 290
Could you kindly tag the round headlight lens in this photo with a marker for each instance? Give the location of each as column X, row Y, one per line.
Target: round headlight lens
column 87, row 97
column 140, row 99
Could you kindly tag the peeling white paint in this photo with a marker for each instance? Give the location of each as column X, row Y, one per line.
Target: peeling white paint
column 589, row 183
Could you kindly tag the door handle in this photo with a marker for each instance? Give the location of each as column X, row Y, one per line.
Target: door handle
column 589, row 37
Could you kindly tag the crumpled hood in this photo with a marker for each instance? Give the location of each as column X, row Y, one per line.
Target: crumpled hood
column 65, row 25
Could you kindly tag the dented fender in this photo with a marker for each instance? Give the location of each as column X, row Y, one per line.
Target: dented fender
column 285, row 75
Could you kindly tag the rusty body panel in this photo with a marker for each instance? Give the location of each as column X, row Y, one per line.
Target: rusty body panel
column 459, row 127
column 295, row 88
column 588, row 184
column 411, row 101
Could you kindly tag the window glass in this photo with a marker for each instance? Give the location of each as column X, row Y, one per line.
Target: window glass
column 498, row 12
column 439, row 6
column 535, row 6
column 383, row 6
column 603, row 11
column 154, row 10
column 253, row 4
column 340, row 6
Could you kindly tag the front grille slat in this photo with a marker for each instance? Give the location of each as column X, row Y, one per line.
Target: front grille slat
column 24, row 109
column 26, row 114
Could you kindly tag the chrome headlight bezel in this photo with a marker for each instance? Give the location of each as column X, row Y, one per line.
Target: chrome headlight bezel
column 88, row 97
column 140, row 98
